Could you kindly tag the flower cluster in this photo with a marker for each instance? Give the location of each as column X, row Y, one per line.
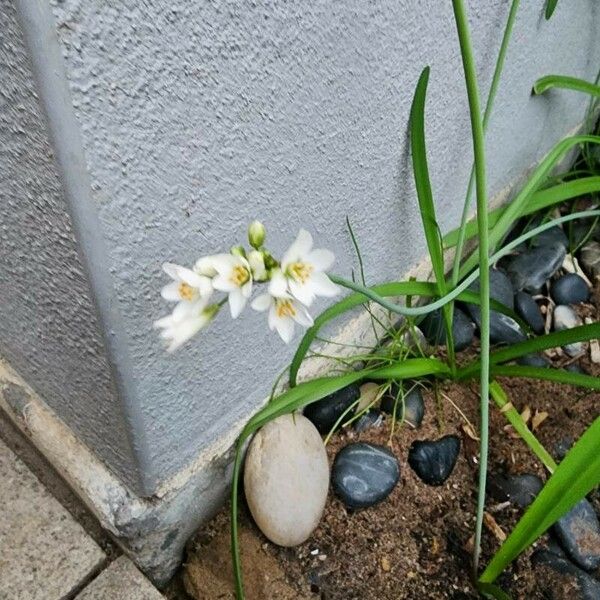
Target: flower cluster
column 292, row 285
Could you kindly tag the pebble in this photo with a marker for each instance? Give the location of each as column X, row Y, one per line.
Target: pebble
column 529, row 311
column 462, row 329
column 579, row 534
column 534, row 360
column 590, row 259
column 554, row 235
column 569, row 289
column 500, row 290
column 566, row 318
column 567, row 581
column 414, row 407
column 286, row 479
column 504, row 329
column 531, row 269
column 576, row 368
column 325, row 412
column 371, row 418
column 364, row 474
column 433, row 461
column 518, row 489
column 562, row 447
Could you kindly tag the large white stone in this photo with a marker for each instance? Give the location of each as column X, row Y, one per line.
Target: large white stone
column 286, row 479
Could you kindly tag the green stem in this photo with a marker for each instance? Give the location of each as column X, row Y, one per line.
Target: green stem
column 486, row 116
column 484, row 275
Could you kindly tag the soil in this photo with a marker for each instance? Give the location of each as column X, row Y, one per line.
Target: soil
column 418, row 542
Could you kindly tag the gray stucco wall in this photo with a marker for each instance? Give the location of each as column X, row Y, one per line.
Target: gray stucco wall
column 198, row 117
column 48, row 326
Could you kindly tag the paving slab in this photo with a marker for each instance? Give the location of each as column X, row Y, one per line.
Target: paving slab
column 44, row 553
column 120, row 581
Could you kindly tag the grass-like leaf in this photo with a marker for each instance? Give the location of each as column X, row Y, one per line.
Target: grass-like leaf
column 576, row 475
column 425, row 198
column 516, row 420
column 539, row 200
column 558, row 375
column 555, row 339
column 565, row 82
column 517, row 206
column 550, row 7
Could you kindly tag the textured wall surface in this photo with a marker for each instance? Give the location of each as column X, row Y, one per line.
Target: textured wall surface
column 48, row 328
column 199, row 116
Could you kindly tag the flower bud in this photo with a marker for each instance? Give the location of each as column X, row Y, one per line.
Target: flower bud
column 238, row 251
column 257, row 264
column 256, row 234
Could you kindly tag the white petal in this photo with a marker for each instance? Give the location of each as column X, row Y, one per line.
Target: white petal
column 302, row 315
column 247, row 289
column 189, row 277
column 285, row 328
column 171, row 292
column 224, row 263
column 163, row 322
column 302, row 292
column 205, row 286
column 224, row 284
column 321, row 259
column 237, row 301
column 299, row 248
column 272, row 316
column 278, row 284
column 186, row 330
column 323, row 286
column 171, row 270
column 261, row 303
column 204, row 266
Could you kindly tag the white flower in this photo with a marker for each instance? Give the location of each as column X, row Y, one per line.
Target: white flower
column 187, row 286
column 304, row 270
column 283, row 311
column 256, row 261
column 234, row 276
column 185, row 322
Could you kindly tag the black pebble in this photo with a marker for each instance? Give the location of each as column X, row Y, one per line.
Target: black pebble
column 364, row 474
column 367, row 420
column 529, row 311
column 325, row 412
column 534, row 360
column 518, row 489
column 579, row 534
column 530, row 270
column 569, row 289
column 433, row 461
column 463, row 329
column 414, row 407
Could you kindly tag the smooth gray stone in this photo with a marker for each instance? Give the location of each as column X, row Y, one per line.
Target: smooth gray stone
column 463, row 329
column 566, row 318
column 500, row 289
column 579, row 534
column 531, row 269
column 324, row 413
column 569, row 289
column 364, row 474
column 529, row 311
column 576, row 368
column 414, row 407
column 562, row 447
column 568, row 582
column 434, row 461
column 534, row 360
column 518, row 489
column 554, row 235
column 504, row 329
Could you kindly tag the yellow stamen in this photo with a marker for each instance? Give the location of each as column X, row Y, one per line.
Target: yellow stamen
column 285, row 308
column 240, row 275
column 300, row 271
column 186, row 291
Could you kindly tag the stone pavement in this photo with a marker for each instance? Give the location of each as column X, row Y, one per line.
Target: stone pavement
column 46, row 555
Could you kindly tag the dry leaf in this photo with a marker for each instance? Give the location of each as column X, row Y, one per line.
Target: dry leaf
column 491, row 524
column 538, row 419
column 385, row 564
column 526, row 414
column 469, row 431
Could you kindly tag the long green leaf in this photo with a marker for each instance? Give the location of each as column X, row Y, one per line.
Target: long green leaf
column 559, row 375
column 300, row 396
column 565, row 82
column 516, row 207
column 539, row 200
column 516, row 420
column 550, row 7
column 425, row 198
column 575, row 476
column 555, row 339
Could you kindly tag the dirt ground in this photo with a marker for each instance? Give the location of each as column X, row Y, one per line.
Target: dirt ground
column 415, row 544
